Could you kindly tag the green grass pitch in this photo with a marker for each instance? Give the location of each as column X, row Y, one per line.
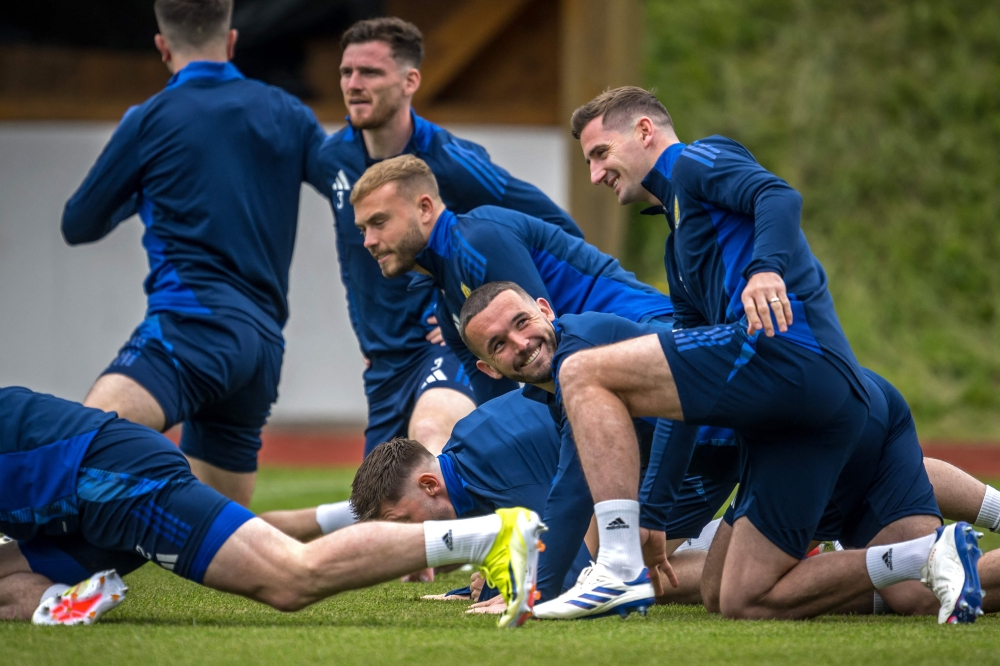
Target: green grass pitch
column 167, row 620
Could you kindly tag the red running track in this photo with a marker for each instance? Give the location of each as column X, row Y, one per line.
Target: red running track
column 300, row 447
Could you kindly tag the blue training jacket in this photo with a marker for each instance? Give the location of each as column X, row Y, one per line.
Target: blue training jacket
column 389, row 319
column 506, row 454
column 42, row 442
column 213, row 164
column 730, row 218
column 488, row 244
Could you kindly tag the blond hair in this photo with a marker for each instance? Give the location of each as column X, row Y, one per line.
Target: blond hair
column 620, row 107
column 411, row 173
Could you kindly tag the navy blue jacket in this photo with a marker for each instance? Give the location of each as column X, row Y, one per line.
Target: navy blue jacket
column 214, row 166
column 389, row 318
column 505, row 454
column 42, row 441
column 730, row 218
column 465, row 252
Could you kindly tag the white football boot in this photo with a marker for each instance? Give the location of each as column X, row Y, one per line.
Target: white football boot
column 952, row 574
column 598, row 593
column 85, row 602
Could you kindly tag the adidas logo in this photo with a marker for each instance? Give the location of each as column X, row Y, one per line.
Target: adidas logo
column 341, row 183
column 617, row 524
column 887, row 558
column 447, row 540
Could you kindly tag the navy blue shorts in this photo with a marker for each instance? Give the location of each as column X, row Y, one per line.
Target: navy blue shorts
column 796, row 413
column 885, row 479
column 136, row 501
column 217, row 374
column 391, row 403
column 712, row 475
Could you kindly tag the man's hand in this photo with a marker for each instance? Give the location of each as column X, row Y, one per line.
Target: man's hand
column 434, row 337
column 476, row 583
column 654, row 554
column 765, row 293
column 494, row 606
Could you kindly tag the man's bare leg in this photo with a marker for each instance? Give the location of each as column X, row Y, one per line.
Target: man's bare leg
column 761, row 581
column 601, row 387
column 688, row 567
column 960, row 496
column 711, row 576
column 118, row 393
column 261, row 563
column 20, row 589
column 435, row 415
column 237, row 486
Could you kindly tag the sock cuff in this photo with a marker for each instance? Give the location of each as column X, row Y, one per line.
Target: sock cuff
column 989, row 513
column 617, row 505
column 336, row 516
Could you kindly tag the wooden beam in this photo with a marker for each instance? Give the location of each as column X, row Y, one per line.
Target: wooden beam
column 452, row 44
column 601, row 48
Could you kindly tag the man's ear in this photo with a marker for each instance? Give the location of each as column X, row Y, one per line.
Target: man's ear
column 231, row 43
column 429, row 483
column 163, row 48
column 487, row 370
column 411, row 82
column 645, row 130
column 546, row 309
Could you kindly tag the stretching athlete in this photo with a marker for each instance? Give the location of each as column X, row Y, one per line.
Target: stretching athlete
column 213, row 165
column 89, row 496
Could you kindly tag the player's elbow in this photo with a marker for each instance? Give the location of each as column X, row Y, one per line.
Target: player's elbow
column 73, row 226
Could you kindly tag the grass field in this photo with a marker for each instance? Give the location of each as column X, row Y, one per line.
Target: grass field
column 167, row 620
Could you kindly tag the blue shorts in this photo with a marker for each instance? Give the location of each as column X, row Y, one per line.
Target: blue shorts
column 217, row 374
column 885, row 479
column 796, row 413
column 391, row 403
column 136, row 501
column 712, row 475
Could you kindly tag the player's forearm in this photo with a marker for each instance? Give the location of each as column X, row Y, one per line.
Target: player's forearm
column 777, row 219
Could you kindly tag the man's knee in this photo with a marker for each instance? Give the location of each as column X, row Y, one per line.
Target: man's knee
column 579, row 371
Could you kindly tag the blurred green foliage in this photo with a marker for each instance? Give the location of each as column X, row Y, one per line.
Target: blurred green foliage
column 886, row 117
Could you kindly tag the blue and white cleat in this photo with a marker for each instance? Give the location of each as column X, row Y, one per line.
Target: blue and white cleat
column 596, row 594
column 952, row 573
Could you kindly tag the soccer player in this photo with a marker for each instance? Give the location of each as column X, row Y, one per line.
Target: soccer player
column 379, row 74
column 213, row 165
column 738, row 265
column 503, row 326
column 85, row 493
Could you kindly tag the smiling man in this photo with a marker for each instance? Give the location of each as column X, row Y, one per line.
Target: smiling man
column 738, row 264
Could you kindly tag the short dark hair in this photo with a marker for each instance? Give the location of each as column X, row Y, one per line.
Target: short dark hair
column 384, row 474
column 404, row 39
column 481, row 298
column 193, row 22
column 619, row 107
